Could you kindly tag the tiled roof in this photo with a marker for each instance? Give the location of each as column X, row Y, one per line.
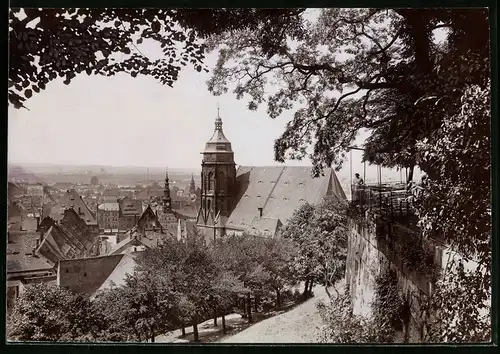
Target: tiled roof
column 264, row 226
column 14, row 210
column 20, row 249
column 13, row 190
column 279, row 191
column 130, row 206
column 69, row 239
column 128, row 241
column 109, row 206
column 17, row 263
column 148, row 238
column 72, row 199
column 153, row 238
column 23, row 242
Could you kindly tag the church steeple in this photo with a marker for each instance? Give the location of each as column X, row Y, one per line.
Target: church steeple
column 218, row 180
column 167, row 200
column 192, row 186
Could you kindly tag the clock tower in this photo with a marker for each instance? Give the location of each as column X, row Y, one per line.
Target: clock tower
column 218, row 179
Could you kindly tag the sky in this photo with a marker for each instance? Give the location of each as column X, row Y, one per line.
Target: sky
column 125, row 121
column 122, row 120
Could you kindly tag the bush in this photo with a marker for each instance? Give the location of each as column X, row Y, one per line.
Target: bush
column 340, row 325
column 286, row 296
column 297, row 296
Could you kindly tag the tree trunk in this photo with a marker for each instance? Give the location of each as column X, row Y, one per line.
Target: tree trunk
column 278, row 298
column 183, row 330
column 249, row 307
column 328, row 291
column 306, row 286
column 195, row 331
column 137, row 335
column 244, row 308
column 152, row 335
column 410, row 174
column 223, row 323
column 215, row 317
column 255, row 304
column 311, row 283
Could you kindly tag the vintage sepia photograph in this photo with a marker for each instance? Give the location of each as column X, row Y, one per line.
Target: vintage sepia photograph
column 249, row 175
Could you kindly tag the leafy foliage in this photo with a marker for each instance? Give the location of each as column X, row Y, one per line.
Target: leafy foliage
column 456, row 208
column 262, row 265
column 144, row 306
column 340, row 325
column 387, row 306
column 48, row 43
column 50, row 313
column 350, row 69
column 320, row 234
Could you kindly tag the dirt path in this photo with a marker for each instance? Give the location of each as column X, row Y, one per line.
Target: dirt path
column 299, row 325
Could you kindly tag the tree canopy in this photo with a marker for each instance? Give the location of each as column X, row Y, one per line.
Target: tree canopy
column 352, row 69
column 50, row 43
column 320, row 235
column 45, row 44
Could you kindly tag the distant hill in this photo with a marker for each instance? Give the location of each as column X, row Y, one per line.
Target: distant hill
column 18, row 173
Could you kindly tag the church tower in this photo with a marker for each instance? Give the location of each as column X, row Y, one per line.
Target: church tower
column 167, row 200
column 218, row 178
column 192, row 186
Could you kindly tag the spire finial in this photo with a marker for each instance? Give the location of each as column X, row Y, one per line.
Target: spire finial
column 218, row 120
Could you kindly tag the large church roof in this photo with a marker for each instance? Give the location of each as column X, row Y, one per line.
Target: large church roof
column 279, row 191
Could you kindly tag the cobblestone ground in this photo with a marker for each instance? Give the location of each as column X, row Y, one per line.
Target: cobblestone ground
column 299, row 325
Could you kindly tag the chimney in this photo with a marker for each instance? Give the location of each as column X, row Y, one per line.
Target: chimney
column 260, row 211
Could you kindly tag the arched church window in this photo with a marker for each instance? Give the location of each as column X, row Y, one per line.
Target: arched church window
column 211, row 181
column 209, row 204
column 202, row 181
column 204, row 204
column 221, row 181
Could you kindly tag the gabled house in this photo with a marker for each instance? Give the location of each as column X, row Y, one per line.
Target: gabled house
column 71, row 199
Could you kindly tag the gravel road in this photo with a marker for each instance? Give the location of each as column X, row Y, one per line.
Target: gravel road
column 299, row 325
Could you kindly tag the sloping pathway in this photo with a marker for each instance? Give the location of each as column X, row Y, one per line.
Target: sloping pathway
column 299, row 325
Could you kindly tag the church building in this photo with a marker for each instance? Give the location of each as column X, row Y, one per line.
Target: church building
column 255, row 200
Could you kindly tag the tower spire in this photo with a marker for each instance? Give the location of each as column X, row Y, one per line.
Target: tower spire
column 167, row 200
column 192, row 186
column 218, row 120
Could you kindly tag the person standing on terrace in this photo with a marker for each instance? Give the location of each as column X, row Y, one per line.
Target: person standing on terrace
column 357, row 188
